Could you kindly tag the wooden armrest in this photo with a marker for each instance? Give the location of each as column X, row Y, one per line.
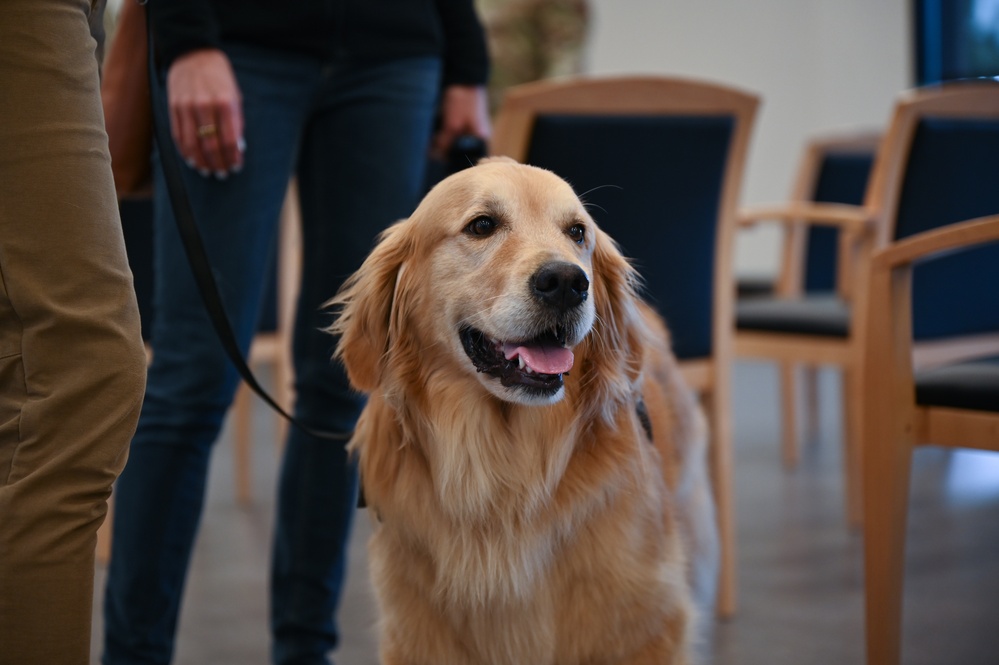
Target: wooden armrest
column 889, row 325
column 846, row 217
column 938, row 241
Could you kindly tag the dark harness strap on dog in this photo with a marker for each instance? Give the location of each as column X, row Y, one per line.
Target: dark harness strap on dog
column 643, row 417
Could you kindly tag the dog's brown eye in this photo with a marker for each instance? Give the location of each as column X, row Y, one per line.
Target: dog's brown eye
column 481, row 226
column 577, row 232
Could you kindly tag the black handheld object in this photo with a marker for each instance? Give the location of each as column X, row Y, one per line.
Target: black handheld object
column 466, row 150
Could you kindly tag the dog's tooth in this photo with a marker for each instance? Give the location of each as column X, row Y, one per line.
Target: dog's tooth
column 520, row 362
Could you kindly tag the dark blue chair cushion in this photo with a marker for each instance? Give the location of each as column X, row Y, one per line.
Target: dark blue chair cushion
column 754, row 287
column 842, row 179
column 952, row 175
column 816, row 314
column 969, row 385
column 654, row 184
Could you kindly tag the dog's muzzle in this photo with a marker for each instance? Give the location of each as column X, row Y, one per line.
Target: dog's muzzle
column 537, row 362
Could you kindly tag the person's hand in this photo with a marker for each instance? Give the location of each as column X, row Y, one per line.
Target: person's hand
column 464, row 110
column 206, row 112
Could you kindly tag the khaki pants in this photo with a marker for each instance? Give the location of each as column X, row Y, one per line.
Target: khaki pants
column 72, row 367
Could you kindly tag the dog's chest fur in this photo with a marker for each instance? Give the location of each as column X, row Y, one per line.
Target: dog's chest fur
column 509, row 532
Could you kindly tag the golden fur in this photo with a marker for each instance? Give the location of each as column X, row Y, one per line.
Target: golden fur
column 515, row 527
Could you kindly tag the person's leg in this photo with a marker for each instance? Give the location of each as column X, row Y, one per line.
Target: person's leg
column 360, row 169
column 72, row 366
column 160, row 495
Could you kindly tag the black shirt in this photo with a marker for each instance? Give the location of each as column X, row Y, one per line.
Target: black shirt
column 330, row 29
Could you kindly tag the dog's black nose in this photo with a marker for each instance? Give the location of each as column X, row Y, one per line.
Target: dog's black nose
column 561, row 285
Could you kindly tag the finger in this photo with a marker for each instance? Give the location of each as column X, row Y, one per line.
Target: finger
column 187, row 138
column 231, row 142
column 209, row 141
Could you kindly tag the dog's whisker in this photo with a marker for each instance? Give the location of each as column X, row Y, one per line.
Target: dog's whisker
column 582, row 197
column 589, row 205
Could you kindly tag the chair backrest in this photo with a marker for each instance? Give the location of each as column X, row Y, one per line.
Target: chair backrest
column 659, row 163
column 945, row 140
column 844, row 171
column 833, row 169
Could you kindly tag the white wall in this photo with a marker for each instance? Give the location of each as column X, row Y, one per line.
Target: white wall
column 818, row 65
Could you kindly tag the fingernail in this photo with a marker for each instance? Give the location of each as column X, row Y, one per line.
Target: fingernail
column 221, row 175
column 190, row 163
column 237, row 169
column 204, row 173
column 241, row 144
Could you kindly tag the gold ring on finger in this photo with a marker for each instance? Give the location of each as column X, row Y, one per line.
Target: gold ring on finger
column 206, row 130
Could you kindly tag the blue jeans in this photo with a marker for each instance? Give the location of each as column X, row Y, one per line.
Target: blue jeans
column 355, row 134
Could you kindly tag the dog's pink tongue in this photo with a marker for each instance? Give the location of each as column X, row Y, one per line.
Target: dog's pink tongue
column 542, row 359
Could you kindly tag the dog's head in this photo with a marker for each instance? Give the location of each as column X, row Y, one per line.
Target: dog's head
column 499, row 276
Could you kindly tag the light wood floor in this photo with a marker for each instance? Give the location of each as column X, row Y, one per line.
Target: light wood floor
column 800, row 567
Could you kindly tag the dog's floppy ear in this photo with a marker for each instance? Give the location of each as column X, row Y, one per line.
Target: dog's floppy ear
column 364, row 305
column 620, row 330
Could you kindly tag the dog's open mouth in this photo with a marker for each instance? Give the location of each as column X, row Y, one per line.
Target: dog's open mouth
column 536, row 365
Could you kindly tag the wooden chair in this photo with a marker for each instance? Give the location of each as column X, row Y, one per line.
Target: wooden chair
column 834, row 168
column 659, row 162
column 937, row 163
column 951, row 404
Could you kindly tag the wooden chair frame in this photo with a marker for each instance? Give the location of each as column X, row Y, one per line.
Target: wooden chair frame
column 648, row 95
column 893, row 424
column 864, row 229
column 791, row 276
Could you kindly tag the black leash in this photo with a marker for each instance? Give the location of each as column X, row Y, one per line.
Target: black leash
column 198, row 257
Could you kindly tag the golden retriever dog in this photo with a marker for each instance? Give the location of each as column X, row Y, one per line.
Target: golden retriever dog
column 529, row 453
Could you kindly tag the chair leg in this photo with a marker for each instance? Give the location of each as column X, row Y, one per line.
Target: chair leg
column 285, row 392
column 716, row 408
column 811, row 381
column 242, row 443
column 852, row 460
column 789, row 426
column 886, row 471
